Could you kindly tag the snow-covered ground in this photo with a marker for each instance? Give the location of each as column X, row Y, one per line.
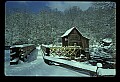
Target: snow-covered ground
column 38, row 67
column 104, row 72
column 7, row 55
column 35, row 66
column 73, row 63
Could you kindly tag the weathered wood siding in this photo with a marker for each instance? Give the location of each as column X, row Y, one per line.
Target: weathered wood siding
column 85, row 43
column 74, row 37
column 64, row 41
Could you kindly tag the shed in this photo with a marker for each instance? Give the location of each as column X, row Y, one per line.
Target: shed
column 72, row 37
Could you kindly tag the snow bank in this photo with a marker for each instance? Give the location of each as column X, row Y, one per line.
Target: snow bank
column 7, row 55
column 103, row 72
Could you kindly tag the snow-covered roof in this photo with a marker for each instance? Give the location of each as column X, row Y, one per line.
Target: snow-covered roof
column 68, row 31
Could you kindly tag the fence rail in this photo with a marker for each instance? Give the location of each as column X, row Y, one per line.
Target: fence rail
column 69, row 51
column 20, row 52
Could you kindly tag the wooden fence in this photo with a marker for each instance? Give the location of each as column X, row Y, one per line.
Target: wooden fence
column 68, row 51
column 20, row 52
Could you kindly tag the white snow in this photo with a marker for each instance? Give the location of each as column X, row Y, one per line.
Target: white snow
column 48, row 46
column 7, row 55
column 39, row 68
column 84, row 66
column 106, row 71
column 20, row 62
column 67, row 32
column 15, row 60
column 74, row 64
column 21, row 45
column 106, row 47
column 107, row 40
column 38, row 47
column 16, row 46
column 99, row 65
column 13, row 53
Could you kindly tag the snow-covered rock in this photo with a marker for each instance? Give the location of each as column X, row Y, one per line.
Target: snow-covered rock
column 107, row 40
column 99, row 65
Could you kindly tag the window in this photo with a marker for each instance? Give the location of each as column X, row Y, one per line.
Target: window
column 66, row 39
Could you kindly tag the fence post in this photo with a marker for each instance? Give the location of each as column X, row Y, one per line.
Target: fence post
column 99, row 65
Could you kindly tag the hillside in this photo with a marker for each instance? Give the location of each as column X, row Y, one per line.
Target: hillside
column 23, row 26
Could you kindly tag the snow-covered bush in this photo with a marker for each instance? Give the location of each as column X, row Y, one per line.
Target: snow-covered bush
column 102, row 53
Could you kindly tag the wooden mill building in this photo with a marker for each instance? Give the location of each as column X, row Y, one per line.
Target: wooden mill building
column 73, row 37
